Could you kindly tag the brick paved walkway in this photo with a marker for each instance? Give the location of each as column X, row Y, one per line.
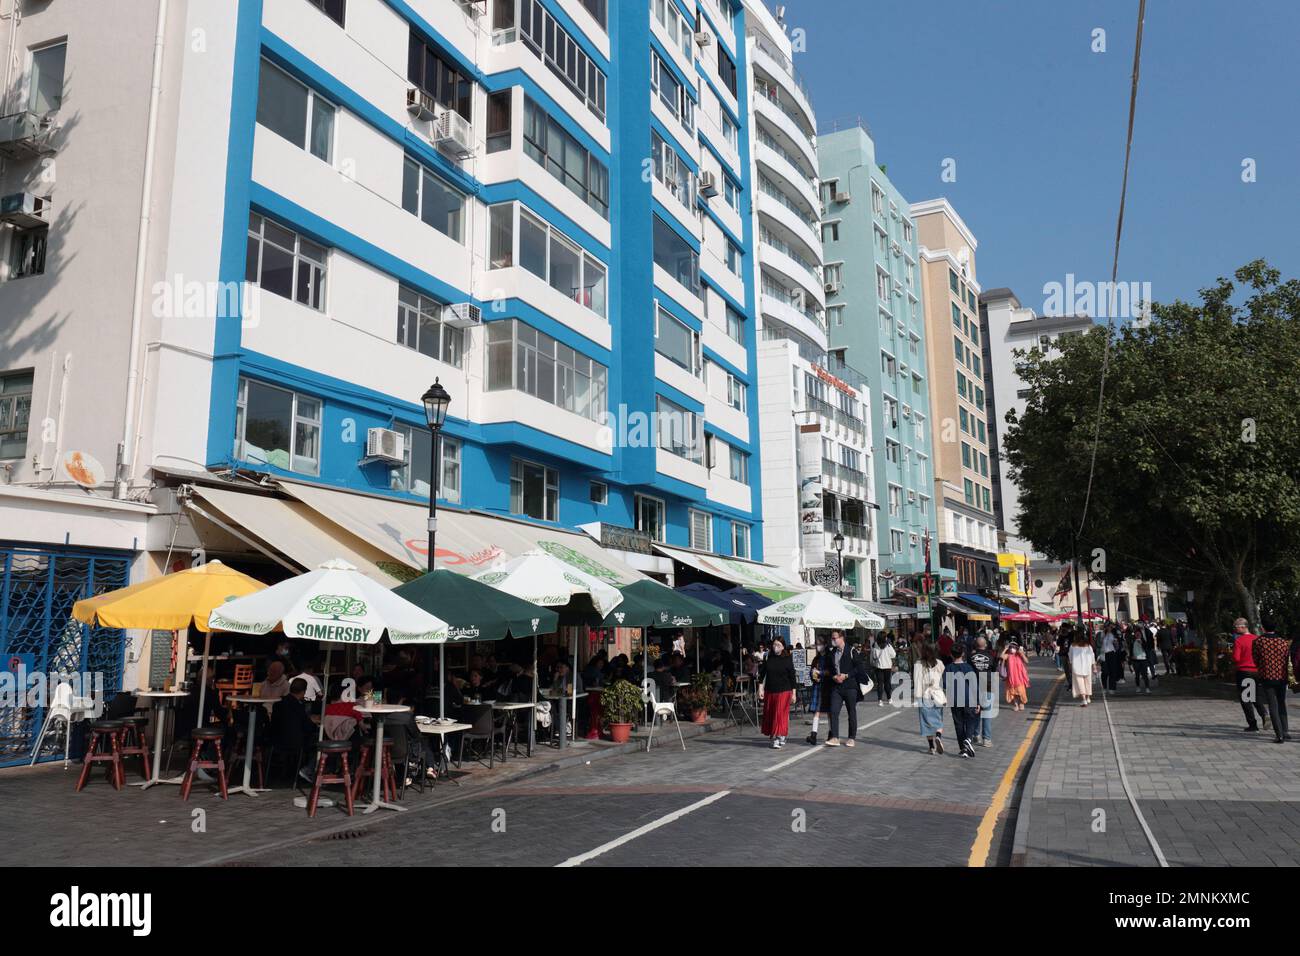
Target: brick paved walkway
column 1210, row 793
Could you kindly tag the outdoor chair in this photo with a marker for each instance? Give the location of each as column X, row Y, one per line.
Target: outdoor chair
column 105, row 746
column 67, row 708
column 331, row 750
column 239, row 685
column 135, row 742
column 483, row 726
column 665, row 710
column 205, row 737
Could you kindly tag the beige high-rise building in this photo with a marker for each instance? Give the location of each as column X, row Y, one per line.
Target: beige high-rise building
column 963, row 492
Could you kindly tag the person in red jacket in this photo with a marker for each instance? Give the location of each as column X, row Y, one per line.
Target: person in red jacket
column 1248, row 690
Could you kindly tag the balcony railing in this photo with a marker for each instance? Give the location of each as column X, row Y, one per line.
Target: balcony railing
column 769, row 188
column 770, row 238
column 839, row 417
column 768, row 140
column 783, row 61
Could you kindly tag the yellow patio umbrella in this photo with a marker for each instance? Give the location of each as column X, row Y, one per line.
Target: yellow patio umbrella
column 171, row 602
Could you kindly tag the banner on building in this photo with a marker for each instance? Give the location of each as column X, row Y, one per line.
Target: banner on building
column 812, row 539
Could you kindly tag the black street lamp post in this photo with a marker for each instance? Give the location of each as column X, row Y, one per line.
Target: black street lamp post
column 839, row 549
column 435, row 401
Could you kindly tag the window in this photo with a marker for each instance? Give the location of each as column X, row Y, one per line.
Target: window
column 675, row 25
column 733, row 257
column 735, row 326
column 413, row 476
column 436, row 203
column 27, row 246
column 831, row 232
column 736, row 390
column 888, row 365
column 334, row 9
column 952, row 280
column 15, row 413
column 677, row 342
column 598, row 493
column 701, row 530
column 675, row 255
column 678, row 431
column 895, row 501
column 547, row 254
column 896, row 542
column 565, row 158
column 965, row 455
column 283, row 262
column 726, row 69
column 891, row 451
column 970, row 491
column 500, row 110
column 45, row 92
column 907, row 232
column 956, row 315
column 965, row 419
column 672, row 92
column 957, row 348
column 519, row 357
column 420, row 327
column 534, row 490
column 551, row 44
column 739, row 539
column 987, row 502
column 877, row 201
column 650, row 517
column 598, row 10
column 979, row 426
column 274, row 426
column 439, row 77
column 961, row 386
column 975, row 365
column 672, row 171
column 984, row 464
column 882, row 284
column 286, row 107
column 739, row 466
column 979, row 396
column 975, row 334
column 731, row 192
column 730, row 131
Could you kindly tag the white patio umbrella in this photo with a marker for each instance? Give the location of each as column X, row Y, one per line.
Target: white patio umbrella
column 543, row 579
column 819, row 608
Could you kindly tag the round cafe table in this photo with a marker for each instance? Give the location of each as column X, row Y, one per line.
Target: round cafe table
column 159, row 699
column 378, row 712
column 250, row 703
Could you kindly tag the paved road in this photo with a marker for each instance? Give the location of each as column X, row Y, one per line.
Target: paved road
column 728, row 800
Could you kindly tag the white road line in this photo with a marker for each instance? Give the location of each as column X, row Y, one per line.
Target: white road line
column 820, row 747
column 642, row 831
column 1128, row 791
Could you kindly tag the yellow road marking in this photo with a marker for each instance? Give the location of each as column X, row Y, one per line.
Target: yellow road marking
column 979, row 852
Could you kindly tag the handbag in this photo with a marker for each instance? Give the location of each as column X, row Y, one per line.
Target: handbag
column 866, row 688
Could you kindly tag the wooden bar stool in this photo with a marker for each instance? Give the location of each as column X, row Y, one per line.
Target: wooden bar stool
column 366, row 769
column 105, row 747
column 201, row 737
column 325, row 750
column 135, row 743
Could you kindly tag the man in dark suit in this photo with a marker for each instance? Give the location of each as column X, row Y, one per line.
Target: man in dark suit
column 840, row 686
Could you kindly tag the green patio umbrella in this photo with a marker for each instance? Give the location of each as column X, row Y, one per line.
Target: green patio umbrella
column 474, row 612
column 648, row 603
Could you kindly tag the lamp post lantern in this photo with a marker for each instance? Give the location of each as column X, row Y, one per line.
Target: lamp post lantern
column 435, row 402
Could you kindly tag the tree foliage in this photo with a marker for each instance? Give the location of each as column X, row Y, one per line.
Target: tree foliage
column 1197, row 472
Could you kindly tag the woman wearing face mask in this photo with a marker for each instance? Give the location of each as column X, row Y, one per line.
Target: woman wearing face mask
column 775, row 689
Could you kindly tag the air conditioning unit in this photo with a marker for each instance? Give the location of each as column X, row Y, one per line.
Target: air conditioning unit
column 843, row 198
column 703, row 37
column 832, row 286
column 455, row 133
column 24, row 209
column 462, row 315
column 385, row 445
column 420, row 104
column 708, row 185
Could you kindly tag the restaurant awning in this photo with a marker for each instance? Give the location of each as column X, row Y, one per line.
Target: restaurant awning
column 887, row 610
column 955, row 606
column 763, row 578
column 982, row 603
column 468, row 542
column 296, row 531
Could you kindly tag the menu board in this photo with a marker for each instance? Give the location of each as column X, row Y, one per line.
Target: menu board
column 802, row 666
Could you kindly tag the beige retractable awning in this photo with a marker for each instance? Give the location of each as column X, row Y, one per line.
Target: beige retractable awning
column 297, row 532
column 766, row 579
column 467, row 542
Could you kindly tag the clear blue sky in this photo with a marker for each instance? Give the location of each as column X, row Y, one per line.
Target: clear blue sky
column 1036, row 121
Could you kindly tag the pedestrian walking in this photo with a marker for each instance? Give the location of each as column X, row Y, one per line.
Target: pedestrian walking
column 1083, row 665
column 927, row 686
column 841, row 676
column 882, row 668
column 961, row 687
column 1243, row 659
column 1015, row 671
column 1110, row 659
column 821, row 703
column 981, row 659
column 1165, row 641
column 776, row 687
column 1142, row 657
column 1271, row 653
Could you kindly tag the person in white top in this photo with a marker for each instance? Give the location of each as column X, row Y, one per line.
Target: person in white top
column 928, row 694
column 882, row 667
column 1083, row 662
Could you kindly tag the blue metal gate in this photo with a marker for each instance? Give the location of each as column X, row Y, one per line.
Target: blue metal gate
column 37, row 590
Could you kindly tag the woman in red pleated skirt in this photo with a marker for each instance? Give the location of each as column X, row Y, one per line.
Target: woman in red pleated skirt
column 775, row 689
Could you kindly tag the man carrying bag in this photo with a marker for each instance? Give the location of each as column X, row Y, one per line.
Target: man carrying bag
column 841, row 676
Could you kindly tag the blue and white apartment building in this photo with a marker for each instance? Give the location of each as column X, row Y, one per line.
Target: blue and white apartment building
column 243, row 238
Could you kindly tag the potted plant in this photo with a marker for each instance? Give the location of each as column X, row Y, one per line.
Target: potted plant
column 621, row 702
column 695, row 698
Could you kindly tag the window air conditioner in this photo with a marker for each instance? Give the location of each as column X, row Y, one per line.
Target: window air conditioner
column 843, row 198
column 385, row 445
column 703, row 37
column 420, row 104
column 462, row 315
column 455, row 133
column 708, row 185
column 832, row 286
column 24, row 210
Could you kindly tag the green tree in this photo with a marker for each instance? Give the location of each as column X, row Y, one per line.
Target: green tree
column 1197, row 466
